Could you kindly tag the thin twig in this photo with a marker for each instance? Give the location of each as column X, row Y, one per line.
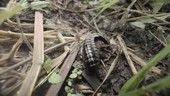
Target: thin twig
column 27, row 25
column 155, row 16
column 123, row 20
column 30, row 36
column 30, row 58
column 97, row 28
column 122, row 44
column 12, row 52
column 108, row 73
column 163, row 43
column 23, row 35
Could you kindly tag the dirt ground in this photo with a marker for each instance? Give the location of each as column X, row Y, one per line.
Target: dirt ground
column 72, row 18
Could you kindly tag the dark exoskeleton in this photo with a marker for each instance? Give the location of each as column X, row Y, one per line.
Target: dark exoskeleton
column 91, row 51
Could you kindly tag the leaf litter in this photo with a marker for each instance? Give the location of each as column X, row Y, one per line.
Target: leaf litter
column 143, row 26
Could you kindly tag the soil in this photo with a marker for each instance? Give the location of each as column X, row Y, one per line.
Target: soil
column 72, row 18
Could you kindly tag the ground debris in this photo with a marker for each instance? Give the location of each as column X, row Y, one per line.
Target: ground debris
column 139, row 28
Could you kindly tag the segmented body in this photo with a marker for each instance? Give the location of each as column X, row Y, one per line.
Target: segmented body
column 91, row 50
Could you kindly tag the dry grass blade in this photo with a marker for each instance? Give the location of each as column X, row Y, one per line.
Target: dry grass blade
column 12, row 52
column 30, row 58
column 142, row 62
column 162, row 42
column 61, row 58
column 23, row 35
column 125, row 16
column 123, row 46
column 17, row 35
column 38, row 57
column 54, row 89
column 47, row 35
column 9, row 90
column 108, row 73
column 61, row 38
column 56, row 62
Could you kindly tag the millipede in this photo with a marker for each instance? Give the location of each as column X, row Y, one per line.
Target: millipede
column 91, row 50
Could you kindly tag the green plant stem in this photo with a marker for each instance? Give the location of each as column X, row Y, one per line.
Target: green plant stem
column 159, row 85
column 136, row 79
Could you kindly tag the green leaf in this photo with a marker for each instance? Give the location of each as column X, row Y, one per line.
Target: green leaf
column 73, row 75
column 9, row 12
column 79, row 77
column 79, row 72
column 70, row 94
column 163, row 17
column 152, row 20
column 157, row 6
column 133, row 82
column 39, row 4
column 69, row 83
column 47, row 65
column 75, row 70
column 67, row 89
column 54, row 78
column 138, row 24
column 161, row 1
column 105, row 7
column 147, row 20
column 160, row 29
